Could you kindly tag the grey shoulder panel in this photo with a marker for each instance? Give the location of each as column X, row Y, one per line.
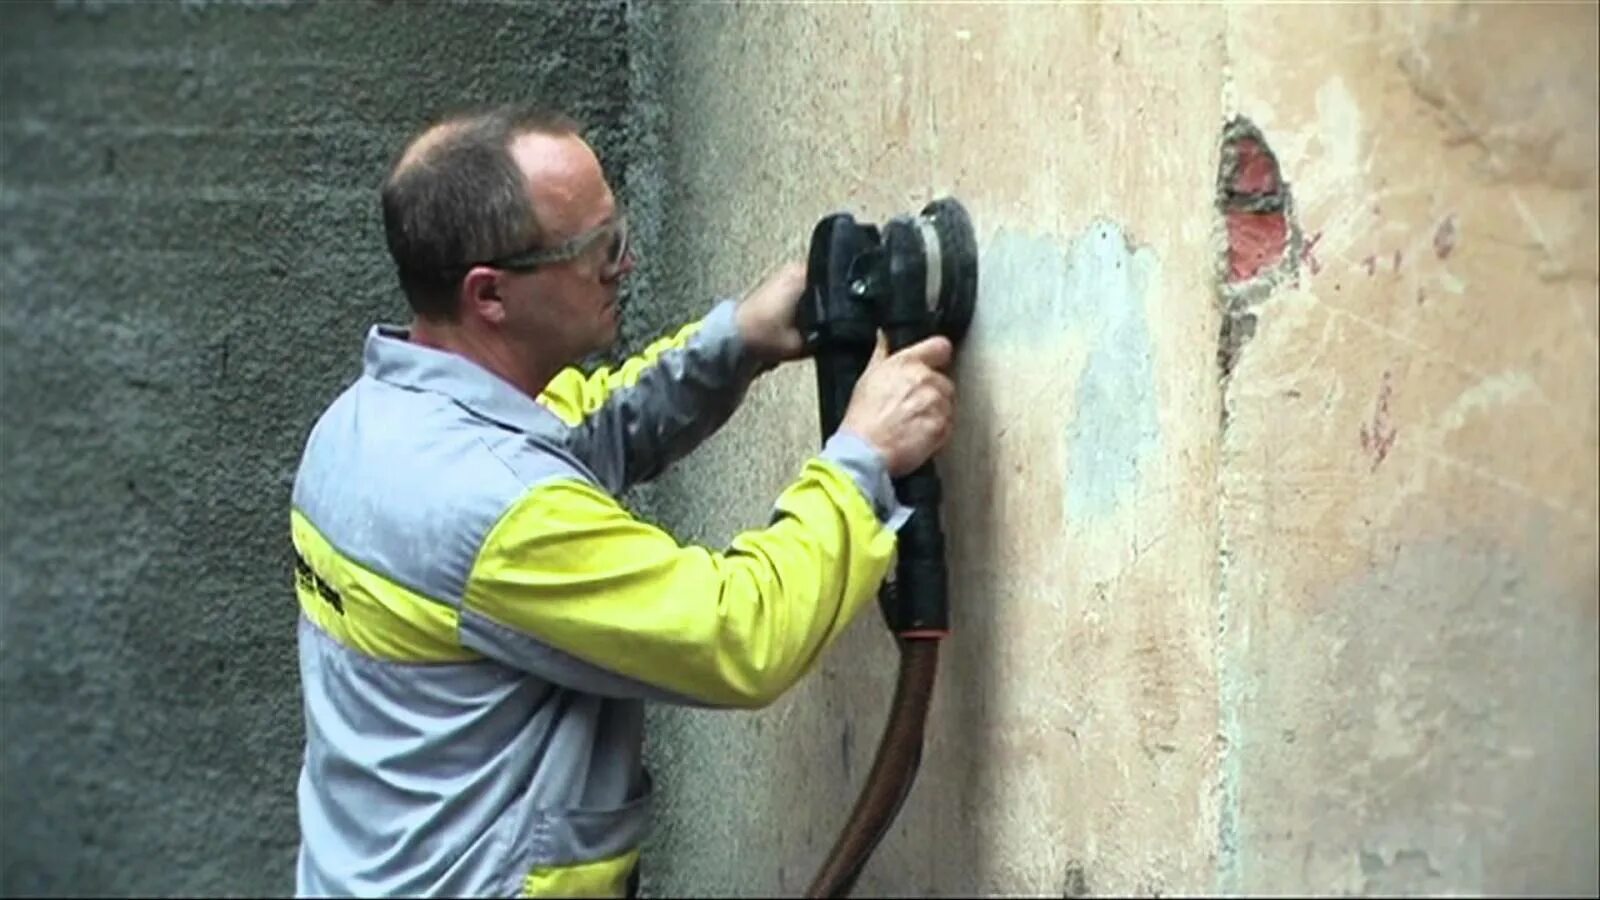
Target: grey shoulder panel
column 408, row 483
column 678, row 401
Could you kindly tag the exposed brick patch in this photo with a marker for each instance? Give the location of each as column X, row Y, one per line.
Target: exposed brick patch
column 1254, row 202
column 1262, row 241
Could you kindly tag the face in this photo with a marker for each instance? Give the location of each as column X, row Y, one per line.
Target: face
column 567, row 308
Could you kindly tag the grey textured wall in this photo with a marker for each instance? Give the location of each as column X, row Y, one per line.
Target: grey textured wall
column 190, row 251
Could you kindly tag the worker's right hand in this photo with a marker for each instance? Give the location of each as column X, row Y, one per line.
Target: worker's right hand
column 904, row 404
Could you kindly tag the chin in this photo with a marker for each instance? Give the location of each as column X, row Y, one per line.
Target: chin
column 605, row 340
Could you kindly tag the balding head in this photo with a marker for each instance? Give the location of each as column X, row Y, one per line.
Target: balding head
column 420, row 148
column 456, row 196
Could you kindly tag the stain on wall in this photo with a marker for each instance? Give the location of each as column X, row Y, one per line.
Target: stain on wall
column 1114, row 426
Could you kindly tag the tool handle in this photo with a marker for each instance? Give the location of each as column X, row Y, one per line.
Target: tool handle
column 918, row 604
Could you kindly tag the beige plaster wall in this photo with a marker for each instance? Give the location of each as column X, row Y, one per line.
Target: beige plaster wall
column 1326, row 624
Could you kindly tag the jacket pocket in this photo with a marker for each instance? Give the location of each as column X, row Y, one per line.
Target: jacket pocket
column 588, row 852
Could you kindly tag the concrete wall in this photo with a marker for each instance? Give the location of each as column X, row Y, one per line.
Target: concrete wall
column 191, row 254
column 1274, row 498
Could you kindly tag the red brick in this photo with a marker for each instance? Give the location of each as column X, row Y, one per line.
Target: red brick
column 1256, row 242
column 1255, row 171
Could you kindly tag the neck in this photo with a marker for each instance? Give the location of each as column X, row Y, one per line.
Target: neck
column 485, row 350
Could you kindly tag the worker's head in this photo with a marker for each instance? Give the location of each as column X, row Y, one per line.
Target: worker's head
column 502, row 225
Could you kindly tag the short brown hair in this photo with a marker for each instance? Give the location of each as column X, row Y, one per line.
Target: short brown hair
column 455, row 197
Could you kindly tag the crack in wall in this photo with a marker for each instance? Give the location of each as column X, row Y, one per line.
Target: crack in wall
column 1261, row 250
column 1225, row 878
column 1261, row 247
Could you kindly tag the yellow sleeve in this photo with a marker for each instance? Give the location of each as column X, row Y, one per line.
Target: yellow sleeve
column 574, row 395
column 570, row 569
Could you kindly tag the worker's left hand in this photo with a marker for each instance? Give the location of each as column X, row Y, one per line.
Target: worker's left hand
column 766, row 315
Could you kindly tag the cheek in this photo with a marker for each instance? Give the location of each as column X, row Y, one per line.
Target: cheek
column 562, row 302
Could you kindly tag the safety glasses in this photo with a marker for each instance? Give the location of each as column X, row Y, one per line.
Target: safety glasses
column 614, row 230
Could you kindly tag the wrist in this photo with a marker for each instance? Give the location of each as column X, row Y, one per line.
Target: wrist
column 751, row 335
column 865, row 437
column 867, row 467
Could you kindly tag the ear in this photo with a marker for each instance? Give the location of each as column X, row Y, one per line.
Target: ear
column 480, row 295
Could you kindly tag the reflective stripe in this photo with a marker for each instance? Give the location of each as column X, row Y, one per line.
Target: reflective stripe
column 574, row 396
column 631, row 423
column 366, row 611
column 570, row 567
column 601, row 878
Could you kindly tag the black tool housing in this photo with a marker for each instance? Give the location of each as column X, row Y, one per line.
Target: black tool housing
column 915, row 278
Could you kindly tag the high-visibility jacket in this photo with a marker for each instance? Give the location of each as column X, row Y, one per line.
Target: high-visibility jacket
column 481, row 619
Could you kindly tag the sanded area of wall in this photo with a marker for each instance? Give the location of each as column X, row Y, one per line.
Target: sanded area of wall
column 1325, row 623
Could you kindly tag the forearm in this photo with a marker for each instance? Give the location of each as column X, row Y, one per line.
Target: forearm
column 573, row 571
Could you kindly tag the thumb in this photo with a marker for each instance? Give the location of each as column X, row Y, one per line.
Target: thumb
column 933, row 351
column 881, row 351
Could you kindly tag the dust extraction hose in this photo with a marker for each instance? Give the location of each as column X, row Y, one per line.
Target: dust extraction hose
column 893, row 771
column 916, row 277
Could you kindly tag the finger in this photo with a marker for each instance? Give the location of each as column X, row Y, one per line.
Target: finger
column 934, row 351
column 929, row 398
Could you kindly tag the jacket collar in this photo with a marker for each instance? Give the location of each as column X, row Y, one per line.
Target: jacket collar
column 390, row 356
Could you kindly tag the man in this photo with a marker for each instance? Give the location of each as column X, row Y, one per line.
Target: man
column 481, row 619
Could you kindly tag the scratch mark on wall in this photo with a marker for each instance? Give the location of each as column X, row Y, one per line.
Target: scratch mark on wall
column 1492, row 390
column 1422, row 347
column 1378, row 436
column 1505, row 483
column 1444, row 237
